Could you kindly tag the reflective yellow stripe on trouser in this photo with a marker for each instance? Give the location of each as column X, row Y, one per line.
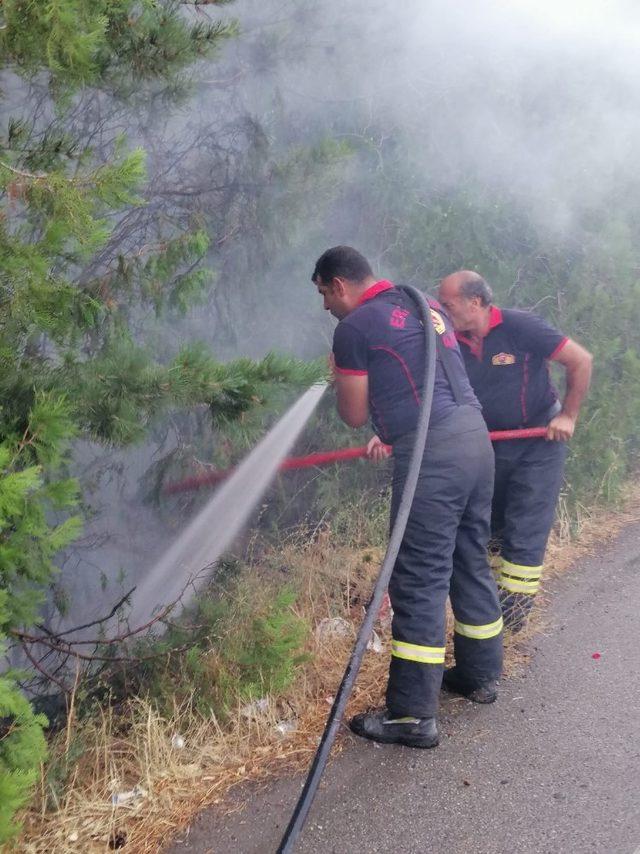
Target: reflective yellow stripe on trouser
column 415, row 652
column 519, row 579
column 490, row 630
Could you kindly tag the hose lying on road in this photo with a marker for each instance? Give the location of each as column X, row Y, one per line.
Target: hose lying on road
column 344, row 691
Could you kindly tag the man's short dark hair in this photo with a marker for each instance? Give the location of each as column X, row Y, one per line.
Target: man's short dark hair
column 475, row 286
column 344, row 262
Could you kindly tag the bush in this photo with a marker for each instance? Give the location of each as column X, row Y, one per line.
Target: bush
column 22, row 749
column 245, row 640
column 268, row 656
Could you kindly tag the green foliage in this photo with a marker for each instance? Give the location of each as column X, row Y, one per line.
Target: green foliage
column 28, row 544
column 189, row 287
column 28, row 539
column 249, row 643
column 70, row 361
column 605, row 448
column 22, row 746
column 64, row 36
column 268, row 657
column 85, row 42
column 76, row 290
column 246, row 383
column 584, row 281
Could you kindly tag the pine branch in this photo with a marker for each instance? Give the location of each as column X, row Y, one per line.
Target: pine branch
column 23, row 174
column 48, row 676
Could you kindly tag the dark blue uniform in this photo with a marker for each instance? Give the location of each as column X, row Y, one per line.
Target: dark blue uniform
column 384, row 338
column 443, row 552
column 510, row 376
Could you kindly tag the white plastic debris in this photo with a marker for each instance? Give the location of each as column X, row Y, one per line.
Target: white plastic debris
column 73, row 837
column 255, row 709
column 285, row 727
column 135, row 794
column 333, row 627
column 177, row 742
column 374, row 643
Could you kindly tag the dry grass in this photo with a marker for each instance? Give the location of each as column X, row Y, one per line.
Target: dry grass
column 137, row 748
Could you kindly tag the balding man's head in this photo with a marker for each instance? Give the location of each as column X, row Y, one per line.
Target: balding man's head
column 468, row 284
column 466, row 297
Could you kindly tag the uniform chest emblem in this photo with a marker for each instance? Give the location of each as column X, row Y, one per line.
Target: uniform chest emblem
column 438, row 322
column 398, row 318
column 503, row 359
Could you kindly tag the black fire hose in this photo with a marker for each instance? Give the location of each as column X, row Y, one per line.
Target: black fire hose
column 344, row 691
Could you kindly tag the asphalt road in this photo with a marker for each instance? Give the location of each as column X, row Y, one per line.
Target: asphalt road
column 552, row 767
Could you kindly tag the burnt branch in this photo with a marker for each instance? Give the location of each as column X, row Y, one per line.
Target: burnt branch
column 98, row 622
column 62, row 649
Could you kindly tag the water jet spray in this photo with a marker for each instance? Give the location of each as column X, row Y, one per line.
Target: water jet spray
column 185, row 567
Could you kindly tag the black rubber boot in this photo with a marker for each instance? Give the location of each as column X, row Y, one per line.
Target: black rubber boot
column 485, row 692
column 515, row 609
column 379, row 726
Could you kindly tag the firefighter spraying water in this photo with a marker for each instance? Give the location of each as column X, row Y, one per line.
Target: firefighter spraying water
column 378, row 348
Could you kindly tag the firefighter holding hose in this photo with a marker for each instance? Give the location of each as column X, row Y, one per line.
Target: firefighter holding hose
column 378, row 358
column 506, row 354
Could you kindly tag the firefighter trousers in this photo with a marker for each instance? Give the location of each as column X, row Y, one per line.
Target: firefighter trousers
column 529, row 475
column 444, row 553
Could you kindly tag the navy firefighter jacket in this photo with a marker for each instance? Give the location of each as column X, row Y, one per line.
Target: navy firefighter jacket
column 384, row 338
column 509, row 370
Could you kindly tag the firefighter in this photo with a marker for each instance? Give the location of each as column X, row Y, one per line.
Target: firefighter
column 378, row 359
column 506, row 353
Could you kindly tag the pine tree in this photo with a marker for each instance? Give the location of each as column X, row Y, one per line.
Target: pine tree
column 71, row 363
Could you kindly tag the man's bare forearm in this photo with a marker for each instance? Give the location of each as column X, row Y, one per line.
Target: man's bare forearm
column 578, row 381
